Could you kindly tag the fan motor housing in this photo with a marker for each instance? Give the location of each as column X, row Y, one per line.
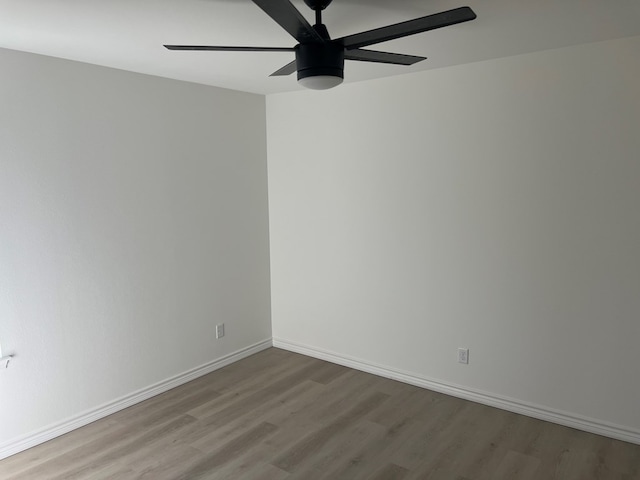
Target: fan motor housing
column 317, row 4
column 314, row 59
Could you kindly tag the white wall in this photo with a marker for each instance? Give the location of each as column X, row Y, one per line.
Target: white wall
column 494, row 206
column 133, row 218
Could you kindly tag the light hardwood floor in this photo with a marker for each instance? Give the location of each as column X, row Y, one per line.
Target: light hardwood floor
column 280, row 415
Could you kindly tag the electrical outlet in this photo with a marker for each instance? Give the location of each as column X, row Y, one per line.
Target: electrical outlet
column 220, row 330
column 463, row 355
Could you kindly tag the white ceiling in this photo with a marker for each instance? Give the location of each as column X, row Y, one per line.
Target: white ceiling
column 129, row 34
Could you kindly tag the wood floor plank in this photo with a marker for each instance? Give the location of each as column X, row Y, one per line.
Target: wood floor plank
column 439, row 435
column 105, row 454
column 282, row 416
column 138, row 412
column 345, row 392
column 111, row 472
column 310, row 445
column 250, row 464
column 157, row 454
column 338, row 448
column 263, row 472
column 488, row 444
column 391, row 471
column 416, row 403
column 267, row 412
column 376, row 455
column 52, row 449
column 206, row 468
column 234, row 404
column 553, row 446
column 87, row 456
column 517, row 465
column 446, row 452
column 327, row 399
column 167, row 410
column 169, row 464
column 328, row 372
column 623, row 457
column 583, row 459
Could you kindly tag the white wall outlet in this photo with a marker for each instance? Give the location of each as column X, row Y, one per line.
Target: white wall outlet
column 463, row 355
column 220, row 330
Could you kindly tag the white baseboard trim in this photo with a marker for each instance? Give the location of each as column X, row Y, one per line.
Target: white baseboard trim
column 505, row 403
column 106, row 409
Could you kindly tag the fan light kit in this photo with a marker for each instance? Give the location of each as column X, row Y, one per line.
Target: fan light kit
column 319, row 59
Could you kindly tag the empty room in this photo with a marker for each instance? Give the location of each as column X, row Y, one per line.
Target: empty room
column 349, row 239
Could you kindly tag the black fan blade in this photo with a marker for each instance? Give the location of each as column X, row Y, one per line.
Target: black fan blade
column 288, row 69
column 289, row 18
column 229, row 49
column 381, row 57
column 411, row 27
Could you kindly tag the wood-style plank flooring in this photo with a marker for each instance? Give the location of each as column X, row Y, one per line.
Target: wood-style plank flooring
column 280, row 415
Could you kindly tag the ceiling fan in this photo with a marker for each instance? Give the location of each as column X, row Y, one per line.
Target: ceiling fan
column 319, row 59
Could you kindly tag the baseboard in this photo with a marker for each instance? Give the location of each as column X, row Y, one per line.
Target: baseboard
column 536, row 411
column 505, row 403
column 104, row 410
